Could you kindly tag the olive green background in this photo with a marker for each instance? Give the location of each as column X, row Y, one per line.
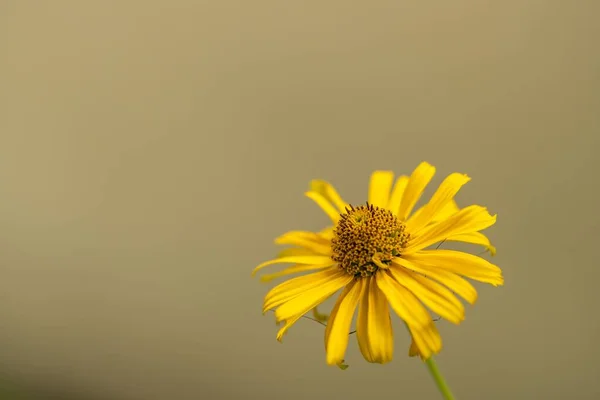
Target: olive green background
column 151, row 150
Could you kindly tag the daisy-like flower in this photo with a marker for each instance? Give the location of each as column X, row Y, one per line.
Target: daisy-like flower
column 379, row 256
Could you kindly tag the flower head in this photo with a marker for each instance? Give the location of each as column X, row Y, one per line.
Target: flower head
column 378, row 254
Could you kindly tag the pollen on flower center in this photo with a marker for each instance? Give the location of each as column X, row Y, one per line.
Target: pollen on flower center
column 367, row 238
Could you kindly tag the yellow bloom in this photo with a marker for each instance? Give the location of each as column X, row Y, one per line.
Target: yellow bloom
column 378, row 255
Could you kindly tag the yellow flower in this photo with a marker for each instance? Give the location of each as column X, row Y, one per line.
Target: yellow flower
column 378, row 255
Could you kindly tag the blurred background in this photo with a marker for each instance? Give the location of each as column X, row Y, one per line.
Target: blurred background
column 150, row 151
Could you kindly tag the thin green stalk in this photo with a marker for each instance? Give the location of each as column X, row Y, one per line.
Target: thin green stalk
column 439, row 379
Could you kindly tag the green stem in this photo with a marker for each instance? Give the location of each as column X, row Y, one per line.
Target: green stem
column 439, row 379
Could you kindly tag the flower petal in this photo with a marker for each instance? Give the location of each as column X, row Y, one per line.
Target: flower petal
column 469, row 219
column 309, row 298
column 475, row 238
column 457, row 284
column 308, row 260
column 460, row 263
column 296, row 251
column 444, row 194
column 293, row 270
column 427, row 340
column 397, row 194
column 309, row 240
column 447, row 211
column 336, row 333
column 439, row 299
column 291, row 288
column 325, row 205
column 288, row 324
column 374, row 326
column 379, row 188
column 327, row 233
column 413, row 349
column 327, row 190
column 419, row 179
column 404, row 303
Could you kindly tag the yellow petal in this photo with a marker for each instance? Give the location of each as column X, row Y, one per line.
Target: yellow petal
column 327, row 233
column 379, row 188
column 296, row 251
column 469, row 219
column 419, row 179
column 362, row 323
column 373, row 326
column 327, row 190
column 325, row 205
column 309, row 240
column 336, row 333
column 288, row 324
column 460, row 263
column 309, row 298
column 447, row 211
column 439, row 299
column 427, row 340
column 397, row 194
column 334, row 311
column 291, row 288
column 404, row 303
column 293, row 270
column 308, row 260
column 458, row 285
column 475, row 238
column 444, row 194
column 413, row 350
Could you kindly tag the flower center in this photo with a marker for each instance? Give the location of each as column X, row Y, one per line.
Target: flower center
column 367, row 238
